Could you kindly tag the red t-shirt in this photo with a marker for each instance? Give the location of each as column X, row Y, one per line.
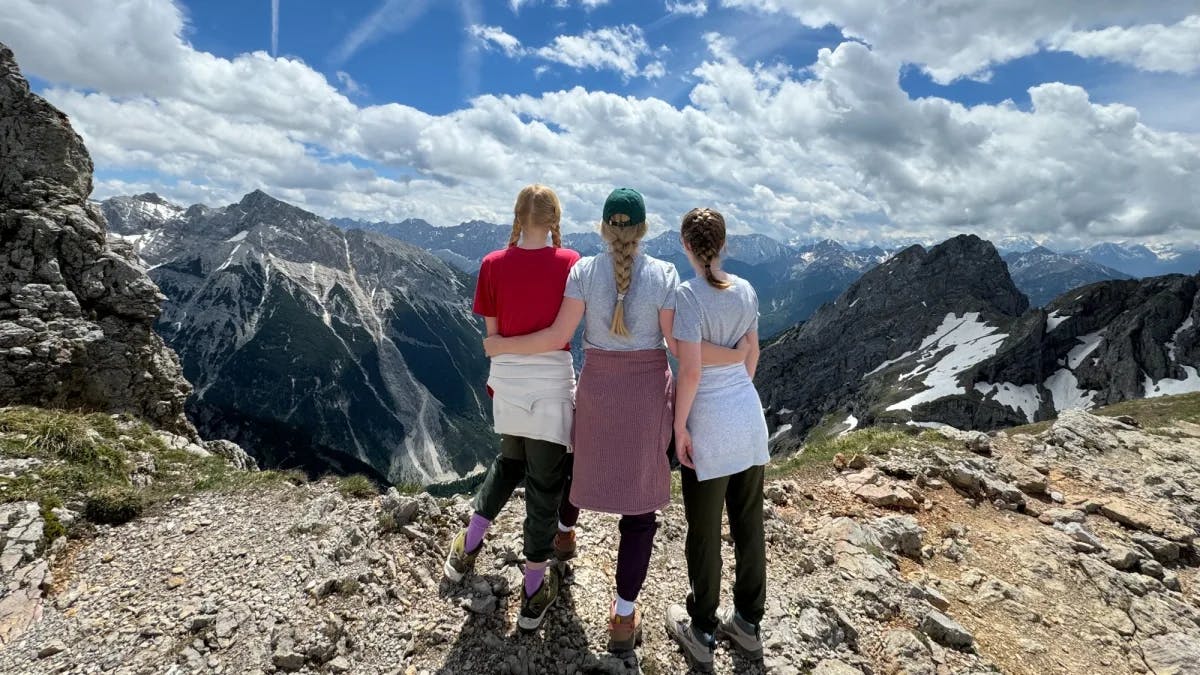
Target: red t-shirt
column 523, row 288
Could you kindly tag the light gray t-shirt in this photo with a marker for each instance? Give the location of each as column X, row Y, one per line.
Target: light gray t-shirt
column 651, row 288
column 720, row 317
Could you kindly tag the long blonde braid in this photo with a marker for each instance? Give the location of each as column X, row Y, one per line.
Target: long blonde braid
column 537, row 206
column 623, row 240
column 704, row 232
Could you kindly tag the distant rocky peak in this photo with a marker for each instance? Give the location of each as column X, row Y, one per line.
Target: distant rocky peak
column 153, row 198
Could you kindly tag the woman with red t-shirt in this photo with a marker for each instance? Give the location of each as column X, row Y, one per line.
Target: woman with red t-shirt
column 519, row 291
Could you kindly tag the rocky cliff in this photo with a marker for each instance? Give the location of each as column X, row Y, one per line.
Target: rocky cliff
column 76, row 311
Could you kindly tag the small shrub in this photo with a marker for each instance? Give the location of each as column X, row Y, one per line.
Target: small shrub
column 53, row 527
column 294, row 476
column 357, row 486
column 113, row 506
column 387, row 524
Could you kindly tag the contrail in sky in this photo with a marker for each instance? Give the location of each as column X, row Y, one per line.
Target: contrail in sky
column 274, row 27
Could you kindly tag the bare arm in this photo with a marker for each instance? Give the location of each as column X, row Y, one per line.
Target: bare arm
column 710, row 354
column 687, row 382
column 752, row 355
column 570, row 313
column 492, row 324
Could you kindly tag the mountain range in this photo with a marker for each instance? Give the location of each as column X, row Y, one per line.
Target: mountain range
column 388, row 374
column 944, row 336
column 314, row 346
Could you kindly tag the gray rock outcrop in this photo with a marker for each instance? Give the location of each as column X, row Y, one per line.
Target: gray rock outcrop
column 76, row 311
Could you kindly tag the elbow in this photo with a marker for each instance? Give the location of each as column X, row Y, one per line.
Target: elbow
column 688, row 375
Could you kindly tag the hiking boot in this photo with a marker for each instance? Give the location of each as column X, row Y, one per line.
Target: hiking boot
column 743, row 634
column 564, row 546
column 697, row 648
column 459, row 562
column 624, row 632
column 534, row 608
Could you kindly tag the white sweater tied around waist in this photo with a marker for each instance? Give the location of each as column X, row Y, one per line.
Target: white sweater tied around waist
column 533, row 395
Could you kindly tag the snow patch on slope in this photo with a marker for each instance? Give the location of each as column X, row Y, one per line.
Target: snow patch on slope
column 1170, row 387
column 1088, row 344
column 1026, row 399
column 1171, row 347
column 851, row 423
column 969, row 339
column 1066, row 394
column 1054, row 320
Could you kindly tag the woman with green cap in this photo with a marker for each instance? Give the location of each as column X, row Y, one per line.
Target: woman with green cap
column 623, row 418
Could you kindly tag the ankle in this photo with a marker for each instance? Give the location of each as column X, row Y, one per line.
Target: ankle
column 623, row 607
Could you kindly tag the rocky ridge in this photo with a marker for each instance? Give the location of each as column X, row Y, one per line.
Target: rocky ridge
column 944, row 337
column 1067, row 550
column 76, row 310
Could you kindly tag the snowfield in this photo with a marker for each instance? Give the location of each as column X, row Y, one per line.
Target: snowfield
column 958, row 344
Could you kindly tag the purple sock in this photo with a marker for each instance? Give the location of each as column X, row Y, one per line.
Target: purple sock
column 534, row 574
column 475, row 531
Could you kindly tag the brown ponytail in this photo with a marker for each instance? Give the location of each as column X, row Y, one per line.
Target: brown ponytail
column 623, row 240
column 537, row 206
column 703, row 230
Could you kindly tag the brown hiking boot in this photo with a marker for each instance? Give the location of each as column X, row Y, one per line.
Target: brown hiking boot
column 624, row 632
column 564, row 546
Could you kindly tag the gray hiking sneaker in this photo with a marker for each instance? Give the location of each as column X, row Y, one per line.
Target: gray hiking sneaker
column 697, row 649
column 459, row 561
column 744, row 635
column 534, row 608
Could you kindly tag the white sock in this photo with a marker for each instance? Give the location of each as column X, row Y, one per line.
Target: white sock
column 564, row 528
column 624, row 607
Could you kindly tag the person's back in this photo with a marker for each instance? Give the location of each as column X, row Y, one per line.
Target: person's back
column 651, row 287
column 718, row 316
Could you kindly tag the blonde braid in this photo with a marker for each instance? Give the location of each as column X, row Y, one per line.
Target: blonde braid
column 556, row 235
column 516, row 233
column 623, row 243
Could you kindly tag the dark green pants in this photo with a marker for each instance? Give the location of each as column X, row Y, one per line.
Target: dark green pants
column 542, row 465
column 742, row 496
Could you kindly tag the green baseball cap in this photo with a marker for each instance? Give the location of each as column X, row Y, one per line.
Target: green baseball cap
column 627, row 202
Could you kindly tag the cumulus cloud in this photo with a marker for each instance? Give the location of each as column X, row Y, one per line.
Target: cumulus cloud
column 973, row 36
column 1152, row 47
column 494, row 37
column 688, row 7
column 832, row 149
column 618, row 48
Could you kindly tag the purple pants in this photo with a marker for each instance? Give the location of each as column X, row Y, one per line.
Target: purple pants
column 633, row 553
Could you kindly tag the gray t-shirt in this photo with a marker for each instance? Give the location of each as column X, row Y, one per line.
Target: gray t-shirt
column 719, row 317
column 651, row 288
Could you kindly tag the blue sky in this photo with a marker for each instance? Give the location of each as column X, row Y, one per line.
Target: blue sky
column 1067, row 122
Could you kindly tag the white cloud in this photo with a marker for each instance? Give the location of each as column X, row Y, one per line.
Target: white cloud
column 688, row 7
column 495, row 37
column 836, row 149
column 964, row 39
column 1152, row 47
column 617, row 48
column 349, row 84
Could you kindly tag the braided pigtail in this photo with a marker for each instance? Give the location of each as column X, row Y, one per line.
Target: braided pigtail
column 623, row 240
column 516, row 232
column 704, row 232
column 537, row 206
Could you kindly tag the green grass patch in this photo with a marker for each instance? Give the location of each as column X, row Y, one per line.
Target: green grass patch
column 819, row 452
column 1151, row 413
column 357, row 486
column 87, row 460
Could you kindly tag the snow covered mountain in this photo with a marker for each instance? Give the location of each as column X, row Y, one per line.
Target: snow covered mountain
column 943, row 336
column 1138, row 260
column 317, row 347
column 1044, row 275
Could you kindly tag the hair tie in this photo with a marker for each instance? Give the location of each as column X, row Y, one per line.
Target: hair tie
column 707, row 265
column 620, row 297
